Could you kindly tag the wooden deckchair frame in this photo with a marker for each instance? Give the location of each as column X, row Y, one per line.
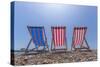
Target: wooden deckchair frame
column 84, row 40
column 52, row 42
column 31, row 40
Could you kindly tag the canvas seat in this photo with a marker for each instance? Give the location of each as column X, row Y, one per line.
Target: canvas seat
column 79, row 40
column 38, row 37
column 58, row 43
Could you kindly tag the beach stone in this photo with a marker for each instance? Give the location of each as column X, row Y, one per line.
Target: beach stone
column 77, row 59
column 49, row 58
column 66, row 61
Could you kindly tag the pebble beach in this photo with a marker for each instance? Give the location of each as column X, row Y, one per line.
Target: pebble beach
column 52, row 58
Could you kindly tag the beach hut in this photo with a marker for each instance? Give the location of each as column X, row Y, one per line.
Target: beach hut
column 38, row 37
column 79, row 41
column 59, row 42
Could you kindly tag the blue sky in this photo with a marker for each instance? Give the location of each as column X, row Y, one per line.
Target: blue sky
column 47, row 15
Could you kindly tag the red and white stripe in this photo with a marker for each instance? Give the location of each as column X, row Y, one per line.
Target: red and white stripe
column 58, row 36
column 79, row 34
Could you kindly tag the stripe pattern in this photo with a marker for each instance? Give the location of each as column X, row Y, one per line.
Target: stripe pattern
column 79, row 34
column 37, row 34
column 58, row 36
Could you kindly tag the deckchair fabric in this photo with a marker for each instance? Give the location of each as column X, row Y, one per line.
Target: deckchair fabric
column 79, row 34
column 79, row 37
column 58, row 36
column 38, row 36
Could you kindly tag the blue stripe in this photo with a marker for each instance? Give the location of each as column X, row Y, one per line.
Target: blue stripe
column 34, row 37
column 37, row 36
column 41, row 38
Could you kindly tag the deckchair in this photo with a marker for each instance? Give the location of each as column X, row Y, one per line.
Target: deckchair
column 78, row 40
column 38, row 37
column 59, row 42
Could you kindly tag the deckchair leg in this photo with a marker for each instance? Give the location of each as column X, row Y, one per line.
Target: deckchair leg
column 66, row 46
column 51, row 45
column 28, row 45
column 66, row 43
column 71, row 47
column 72, row 42
column 87, row 44
column 44, row 49
column 47, row 47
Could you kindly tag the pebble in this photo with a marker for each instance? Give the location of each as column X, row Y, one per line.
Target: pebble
column 50, row 58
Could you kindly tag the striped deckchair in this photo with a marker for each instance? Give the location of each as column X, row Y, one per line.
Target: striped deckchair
column 38, row 37
column 58, row 42
column 79, row 41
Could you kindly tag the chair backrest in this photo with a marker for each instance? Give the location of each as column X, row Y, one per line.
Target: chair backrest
column 38, row 35
column 79, row 35
column 58, row 35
